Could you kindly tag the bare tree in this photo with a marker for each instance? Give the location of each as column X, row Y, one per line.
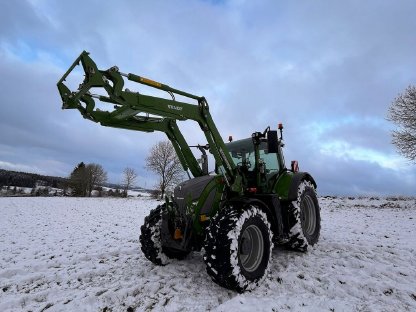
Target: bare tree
column 130, row 177
column 96, row 176
column 403, row 113
column 163, row 161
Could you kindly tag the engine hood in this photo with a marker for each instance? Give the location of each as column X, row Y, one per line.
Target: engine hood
column 190, row 190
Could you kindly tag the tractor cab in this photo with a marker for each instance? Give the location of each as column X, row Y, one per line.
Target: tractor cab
column 259, row 159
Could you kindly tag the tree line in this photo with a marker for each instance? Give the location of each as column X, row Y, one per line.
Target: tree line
column 24, row 179
column 86, row 178
column 83, row 180
column 162, row 161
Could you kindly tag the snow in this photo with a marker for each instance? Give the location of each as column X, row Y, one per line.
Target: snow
column 83, row 254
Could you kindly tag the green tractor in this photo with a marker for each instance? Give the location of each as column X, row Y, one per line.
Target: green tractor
column 235, row 214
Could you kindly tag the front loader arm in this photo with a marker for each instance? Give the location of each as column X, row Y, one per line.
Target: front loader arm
column 150, row 124
column 129, row 105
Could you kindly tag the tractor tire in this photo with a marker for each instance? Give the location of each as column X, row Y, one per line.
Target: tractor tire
column 304, row 218
column 238, row 247
column 151, row 243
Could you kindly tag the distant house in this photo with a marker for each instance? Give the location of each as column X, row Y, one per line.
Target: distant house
column 40, row 183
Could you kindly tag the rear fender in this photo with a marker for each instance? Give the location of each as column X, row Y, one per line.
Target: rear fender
column 286, row 185
column 294, row 185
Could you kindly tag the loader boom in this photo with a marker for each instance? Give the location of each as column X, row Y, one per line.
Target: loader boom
column 131, row 111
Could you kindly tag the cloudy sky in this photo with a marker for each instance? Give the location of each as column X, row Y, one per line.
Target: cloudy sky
column 327, row 69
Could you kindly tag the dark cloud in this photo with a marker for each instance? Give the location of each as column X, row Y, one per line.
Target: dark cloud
column 327, row 70
column 348, row 177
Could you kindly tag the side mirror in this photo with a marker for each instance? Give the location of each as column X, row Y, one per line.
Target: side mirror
column 272, row 141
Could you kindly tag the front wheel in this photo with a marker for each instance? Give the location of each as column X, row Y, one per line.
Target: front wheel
column 304, row 218
column 238, row 247
column 151, row 242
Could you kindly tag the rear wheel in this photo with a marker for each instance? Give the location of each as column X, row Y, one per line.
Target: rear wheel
column 238, row 247
column 304, row 218
column 151, row 242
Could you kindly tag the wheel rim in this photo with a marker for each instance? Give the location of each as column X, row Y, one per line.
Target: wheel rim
column 251, row 248
column 308, row 215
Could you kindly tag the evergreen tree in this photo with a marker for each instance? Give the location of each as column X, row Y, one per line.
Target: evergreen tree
column 78, row 180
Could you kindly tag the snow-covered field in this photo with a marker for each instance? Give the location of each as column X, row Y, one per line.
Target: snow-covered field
column 83, row 254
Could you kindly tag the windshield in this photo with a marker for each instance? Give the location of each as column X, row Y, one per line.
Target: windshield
column 242, row 153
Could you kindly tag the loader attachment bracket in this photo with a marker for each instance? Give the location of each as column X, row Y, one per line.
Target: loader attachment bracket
column 92, row 78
